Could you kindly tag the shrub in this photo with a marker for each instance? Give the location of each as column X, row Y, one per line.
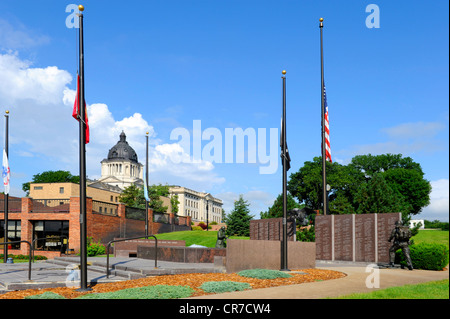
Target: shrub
column 24, row 257
column 45, row 295
column 306, row 234
column 203, row 225
column 94, row 249
column 263, row 274
column 196, row 228
column 224, row 286
column 147, row 292
column 427, row 256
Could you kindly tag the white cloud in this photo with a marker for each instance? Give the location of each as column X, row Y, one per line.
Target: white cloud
column 414, row 130
column 41, row 125
column 406, row 139
column 38, row 120
column 439, row 201
column 19, row 37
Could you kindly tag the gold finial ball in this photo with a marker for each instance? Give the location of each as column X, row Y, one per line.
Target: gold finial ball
column 284, row 71
column 321, row 19
column 81, row 7
column 7, row 112
column 146, row 133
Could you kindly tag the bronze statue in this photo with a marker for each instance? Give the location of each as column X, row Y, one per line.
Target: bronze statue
column 401, row 235
column 221, row 237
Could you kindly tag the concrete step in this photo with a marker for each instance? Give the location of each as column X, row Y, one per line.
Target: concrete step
column 99, row 267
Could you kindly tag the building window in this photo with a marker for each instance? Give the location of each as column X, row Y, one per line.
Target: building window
column 14, row 233
column 47, row 234
column 37, row 188
column 61, row 190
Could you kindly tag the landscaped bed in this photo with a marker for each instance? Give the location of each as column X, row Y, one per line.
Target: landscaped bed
column 194, row 281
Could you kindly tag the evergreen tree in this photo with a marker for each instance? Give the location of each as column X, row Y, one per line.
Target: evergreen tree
column 238, row 221
column 277, row 208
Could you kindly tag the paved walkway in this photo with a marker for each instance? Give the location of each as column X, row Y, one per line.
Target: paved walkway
column 62, row 271
column 354, row 282
column 57, row 274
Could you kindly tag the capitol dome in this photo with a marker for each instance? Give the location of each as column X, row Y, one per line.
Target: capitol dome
column 122, row 150
column 121, row 168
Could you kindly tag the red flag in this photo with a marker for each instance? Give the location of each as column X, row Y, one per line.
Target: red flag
column 76, row 110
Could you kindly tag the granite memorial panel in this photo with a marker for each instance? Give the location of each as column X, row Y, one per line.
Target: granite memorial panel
column 385, row 224
column 323, row 238
column 343, row 237
column 365, row 237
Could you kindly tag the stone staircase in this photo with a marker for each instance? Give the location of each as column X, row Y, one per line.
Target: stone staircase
column 100, row 267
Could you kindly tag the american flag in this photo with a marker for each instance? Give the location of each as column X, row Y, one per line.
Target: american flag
column 327, row 128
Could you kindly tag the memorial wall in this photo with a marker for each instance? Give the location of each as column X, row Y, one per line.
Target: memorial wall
column 351, row 237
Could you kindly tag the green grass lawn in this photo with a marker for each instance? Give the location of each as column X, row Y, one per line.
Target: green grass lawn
column 431, row 236
column 428, row 290
column 198, row 237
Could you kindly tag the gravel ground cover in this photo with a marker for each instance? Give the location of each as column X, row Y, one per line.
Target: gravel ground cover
column 192, row 280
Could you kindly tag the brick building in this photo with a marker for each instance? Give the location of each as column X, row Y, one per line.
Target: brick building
column 53, row 226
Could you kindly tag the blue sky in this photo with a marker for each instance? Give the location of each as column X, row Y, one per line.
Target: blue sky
column 159, row 65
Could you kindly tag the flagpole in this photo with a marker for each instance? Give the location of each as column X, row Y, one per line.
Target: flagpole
column 6, row 197
column 146, row 188
column 284, row 264
column 83, row 226
column 324, row 173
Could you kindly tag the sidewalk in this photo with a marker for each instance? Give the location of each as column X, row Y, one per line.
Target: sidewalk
column 58, row 272
column 55, row 274
column 354, row 282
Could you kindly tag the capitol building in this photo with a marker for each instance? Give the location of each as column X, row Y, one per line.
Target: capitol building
column 121, row 168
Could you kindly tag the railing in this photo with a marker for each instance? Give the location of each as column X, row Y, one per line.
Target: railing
column 104, row 208
column 29, row 259
column 51, row 206
column 125, row 239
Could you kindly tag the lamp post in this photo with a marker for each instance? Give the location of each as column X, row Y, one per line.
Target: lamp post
column 207, row 214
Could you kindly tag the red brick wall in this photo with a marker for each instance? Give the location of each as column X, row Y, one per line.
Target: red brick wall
column 100, row 227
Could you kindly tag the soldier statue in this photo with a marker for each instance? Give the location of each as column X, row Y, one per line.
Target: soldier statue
column 221, row 236
column 401, row 235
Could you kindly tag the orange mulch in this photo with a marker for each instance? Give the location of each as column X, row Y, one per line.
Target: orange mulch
column 192, row 280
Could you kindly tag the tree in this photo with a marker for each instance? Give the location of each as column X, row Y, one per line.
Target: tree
column 174, row 203
column 376, row 196
column 277, row 208
column 51, row 177
column 306, row 185
column 398, row 181
column 238, row 221
column 404, row 176
column 133, row 196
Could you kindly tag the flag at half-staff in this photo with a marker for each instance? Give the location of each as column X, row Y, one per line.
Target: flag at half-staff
column 286, row 161
column 76, row 113
column 80, row 112
column 326, row 150
column 326, row 127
